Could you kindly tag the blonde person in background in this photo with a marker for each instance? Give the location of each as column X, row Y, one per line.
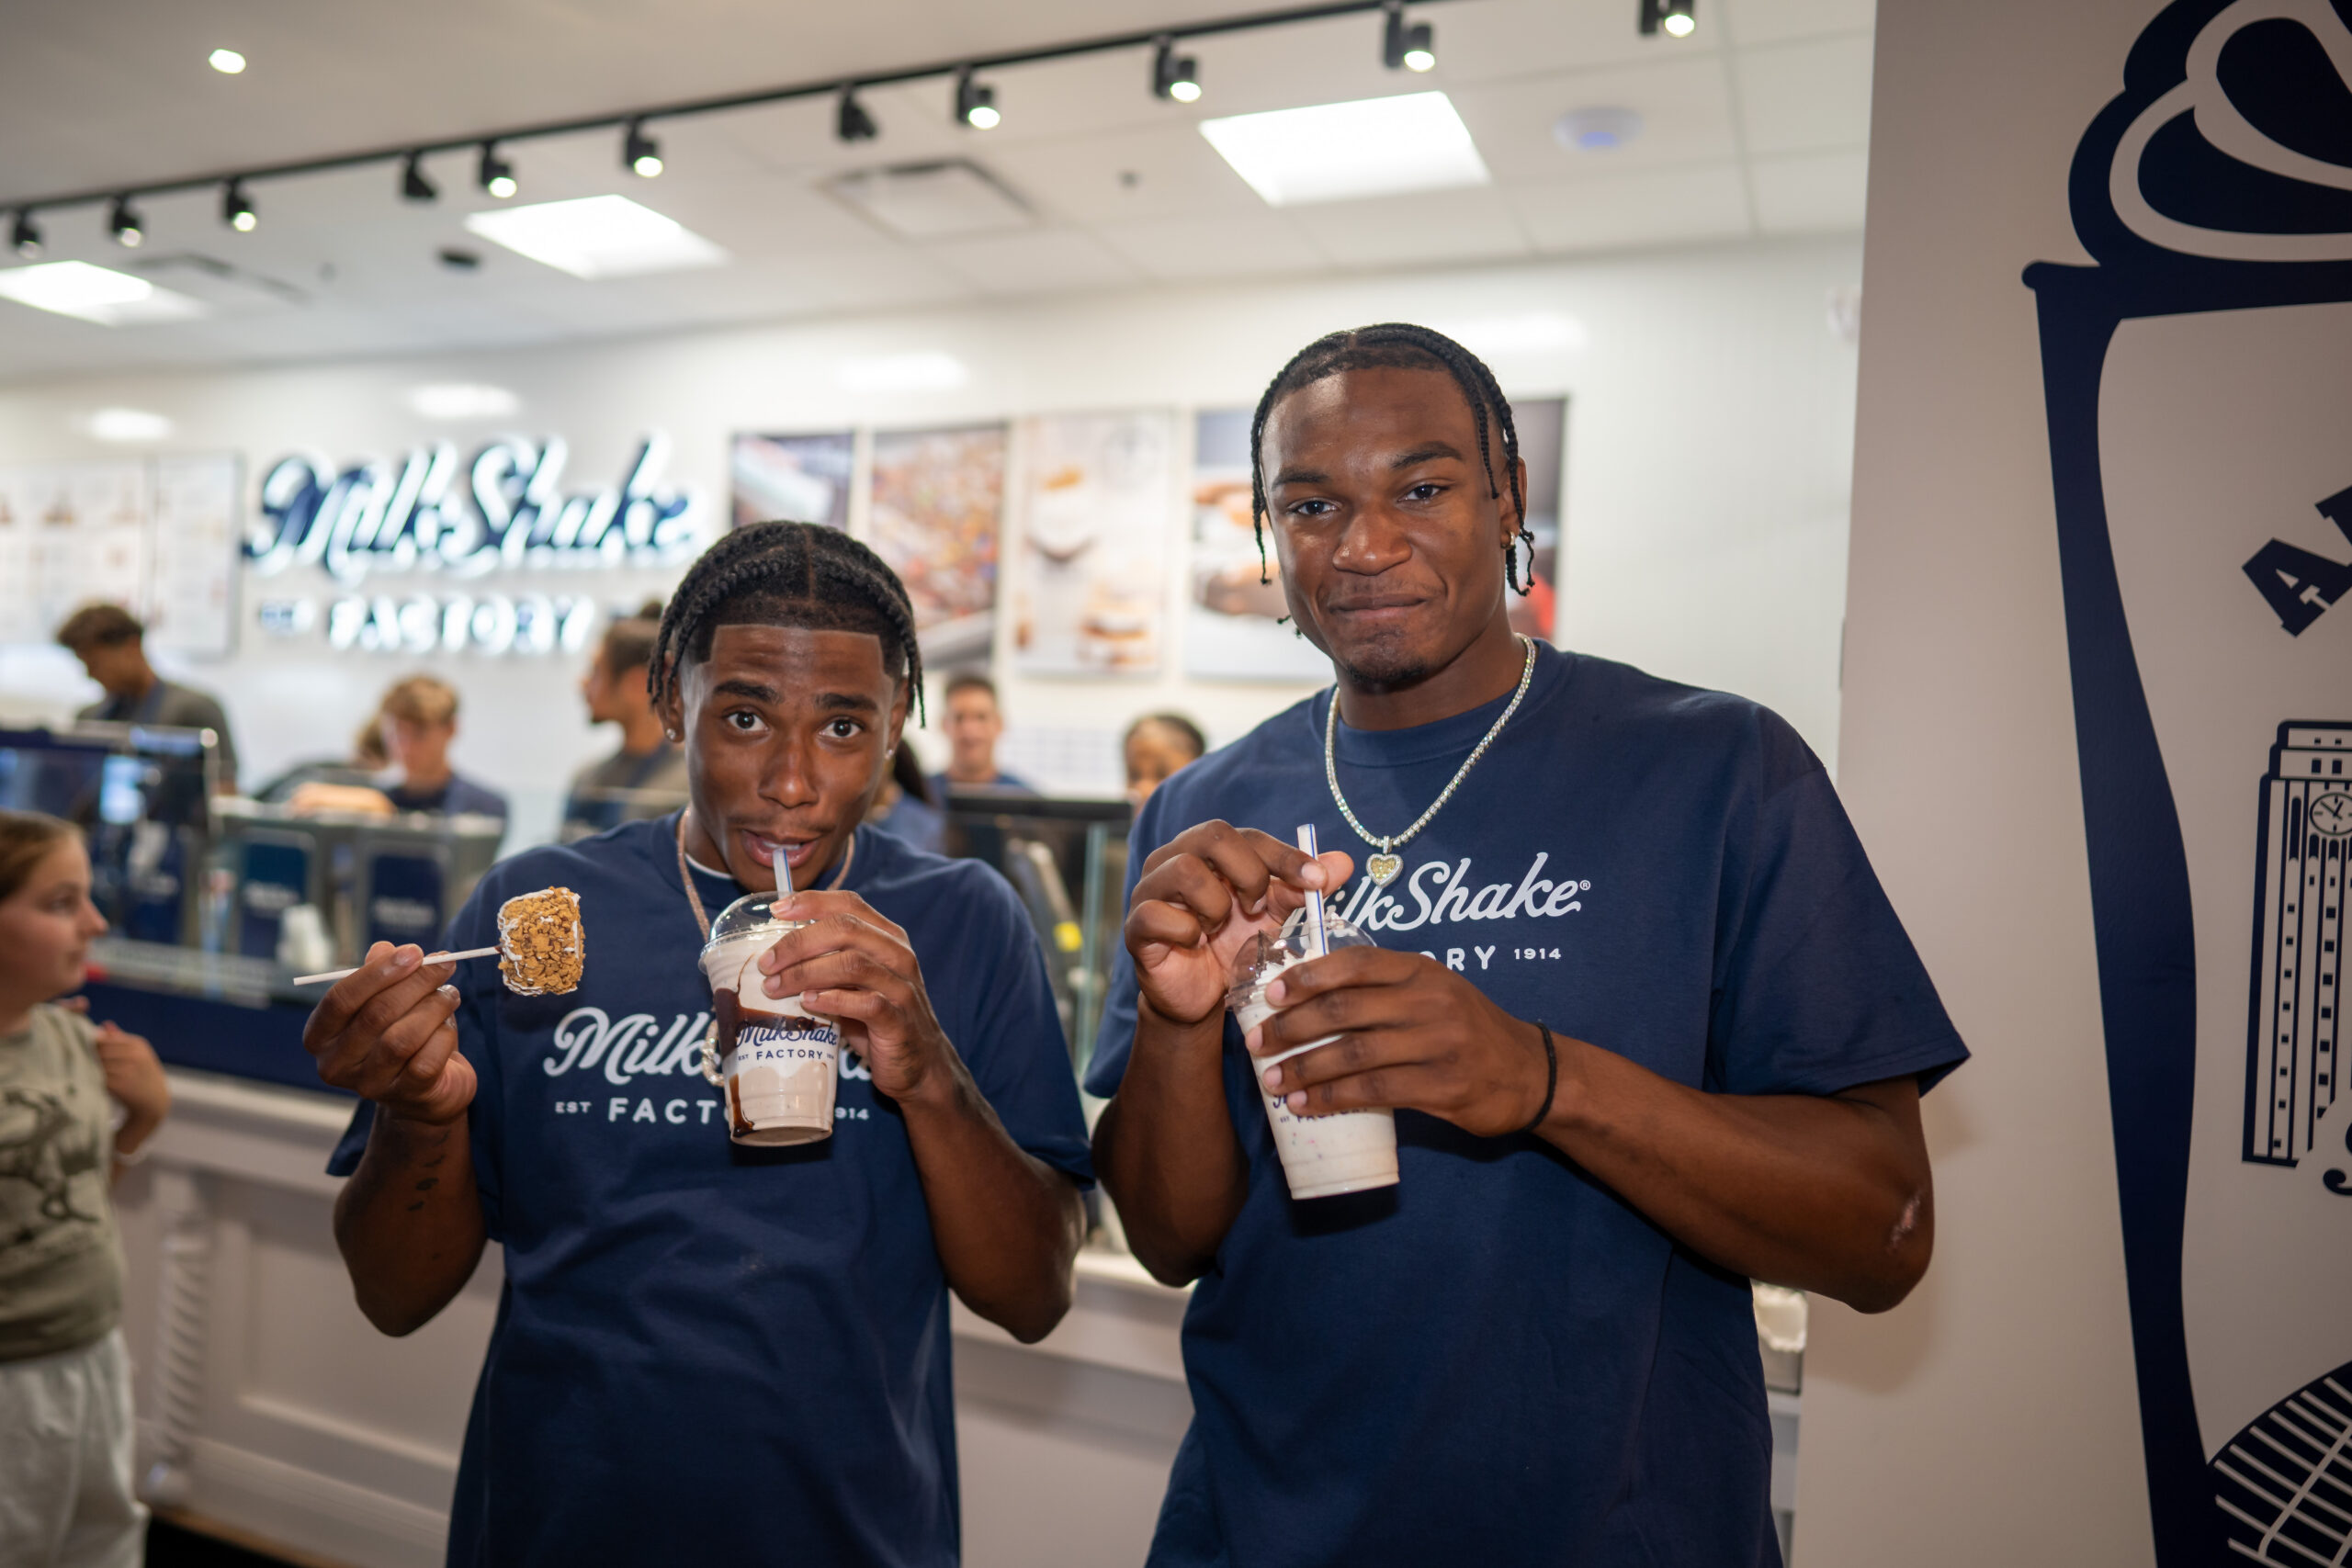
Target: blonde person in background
column 418, row 719
column 77, row 1103
column 112, row 647
column 1156, row 745
column 647, row 777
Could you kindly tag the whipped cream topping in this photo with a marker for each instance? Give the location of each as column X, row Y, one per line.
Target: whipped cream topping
column 2228, row 131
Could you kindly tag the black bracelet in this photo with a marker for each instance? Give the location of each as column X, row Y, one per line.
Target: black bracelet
column 1551, row 1078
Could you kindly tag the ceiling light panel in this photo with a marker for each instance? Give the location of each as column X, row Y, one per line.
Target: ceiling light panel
column 1343, row 152
column 97, row 294
column 596, row 236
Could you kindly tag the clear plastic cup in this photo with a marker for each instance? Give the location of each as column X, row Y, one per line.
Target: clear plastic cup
column 1349, row 1151
column 779, row 1062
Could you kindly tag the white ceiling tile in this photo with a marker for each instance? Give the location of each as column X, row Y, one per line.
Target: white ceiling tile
column 1241, row 244
column 1803, row 96
column 1751, row 22
column 1054, row 262
column 1660, row 207
column 1808, row 193
column 1415, row 230
column 1123, row 176
column 1685, row 104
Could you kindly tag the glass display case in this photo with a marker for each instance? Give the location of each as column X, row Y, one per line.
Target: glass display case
column 1068, row 860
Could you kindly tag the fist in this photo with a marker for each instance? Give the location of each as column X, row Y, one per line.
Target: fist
column 135, row 1081
column 384, row 1032
column 1203, row 896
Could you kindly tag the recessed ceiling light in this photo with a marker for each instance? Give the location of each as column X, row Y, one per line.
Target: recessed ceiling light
column 1337, row 152
column 462, row 400
column 1596, row 129
column 596, row 236
column 129, row 425
column 228, row 61
column 96, row 294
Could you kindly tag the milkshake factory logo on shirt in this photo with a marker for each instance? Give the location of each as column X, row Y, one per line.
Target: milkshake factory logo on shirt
column 1439, row 892
column 635, row 1046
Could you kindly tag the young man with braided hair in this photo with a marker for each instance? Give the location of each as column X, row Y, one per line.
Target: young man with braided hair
column 707, row 1352
column 1648, row 1026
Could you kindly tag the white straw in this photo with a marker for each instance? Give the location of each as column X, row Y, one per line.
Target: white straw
column 429, row 958
column 1318, row 939
column 783, row 873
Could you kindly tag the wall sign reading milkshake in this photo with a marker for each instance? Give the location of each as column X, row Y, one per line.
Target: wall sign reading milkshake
column 2198, row 388
column 504, row 508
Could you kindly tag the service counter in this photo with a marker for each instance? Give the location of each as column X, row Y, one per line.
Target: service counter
column 275, row 1409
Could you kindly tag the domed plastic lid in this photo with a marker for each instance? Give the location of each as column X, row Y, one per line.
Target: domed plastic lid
column 750, row 914
column 1267, row 954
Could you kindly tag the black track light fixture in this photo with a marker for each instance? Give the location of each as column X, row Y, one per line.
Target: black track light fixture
column 1676, row 18
column 497, row 176
column 1407, row 46
column 414, row 186
column 640, row 152
column 975, row 102
column 25, row 237
column 237, row 208
column 1174, row 75
column 124, row 224
column 851, row 122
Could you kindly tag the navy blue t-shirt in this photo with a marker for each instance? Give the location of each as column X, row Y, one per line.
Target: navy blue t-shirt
column 705, row 1352
column 1498, row 1360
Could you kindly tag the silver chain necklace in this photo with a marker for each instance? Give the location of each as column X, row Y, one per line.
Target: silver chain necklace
column 1383, row 865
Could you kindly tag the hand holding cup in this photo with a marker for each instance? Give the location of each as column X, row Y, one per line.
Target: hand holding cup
column 1202, row 896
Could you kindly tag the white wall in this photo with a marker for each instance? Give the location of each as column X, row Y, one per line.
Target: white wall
column 1709, row 443
column 1993, row 1418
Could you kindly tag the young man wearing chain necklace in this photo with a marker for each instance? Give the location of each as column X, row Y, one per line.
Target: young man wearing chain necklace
column 1650, row 1027
column 707, row 1352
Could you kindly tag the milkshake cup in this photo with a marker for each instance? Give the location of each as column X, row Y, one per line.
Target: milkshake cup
column 777, row 1062
column 1322, row 1156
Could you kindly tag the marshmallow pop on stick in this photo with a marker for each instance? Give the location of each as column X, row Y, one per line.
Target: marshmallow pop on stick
column 541, row 950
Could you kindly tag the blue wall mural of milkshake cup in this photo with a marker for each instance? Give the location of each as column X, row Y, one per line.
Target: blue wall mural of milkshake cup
column 2198, row 388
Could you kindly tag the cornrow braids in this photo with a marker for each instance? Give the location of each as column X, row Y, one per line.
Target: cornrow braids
column 1396, row 345
column 786, row 574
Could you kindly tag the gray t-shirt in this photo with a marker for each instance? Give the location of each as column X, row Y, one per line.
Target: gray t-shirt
column 60, row 1261
column 622, row 788
column 169, row 704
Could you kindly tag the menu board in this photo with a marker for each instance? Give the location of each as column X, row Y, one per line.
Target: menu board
column 937, row 499
column 154, row 535
column 1090, row 543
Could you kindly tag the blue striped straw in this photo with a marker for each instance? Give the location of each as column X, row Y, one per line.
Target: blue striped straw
column 1318, row 939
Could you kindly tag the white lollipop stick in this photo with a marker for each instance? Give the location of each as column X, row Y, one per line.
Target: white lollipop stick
column 1318, row 939
column 429, row 958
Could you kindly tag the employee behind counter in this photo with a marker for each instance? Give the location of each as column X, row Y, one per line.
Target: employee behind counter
column 112, row 646
column 418, row 719
column 647, row 776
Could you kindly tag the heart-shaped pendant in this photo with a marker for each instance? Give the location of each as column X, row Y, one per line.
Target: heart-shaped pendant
column 1383, row 869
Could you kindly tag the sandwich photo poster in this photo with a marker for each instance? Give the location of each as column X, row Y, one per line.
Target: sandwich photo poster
column 1092, row 511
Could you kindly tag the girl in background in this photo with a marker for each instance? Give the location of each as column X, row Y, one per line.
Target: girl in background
column 77, row 1103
